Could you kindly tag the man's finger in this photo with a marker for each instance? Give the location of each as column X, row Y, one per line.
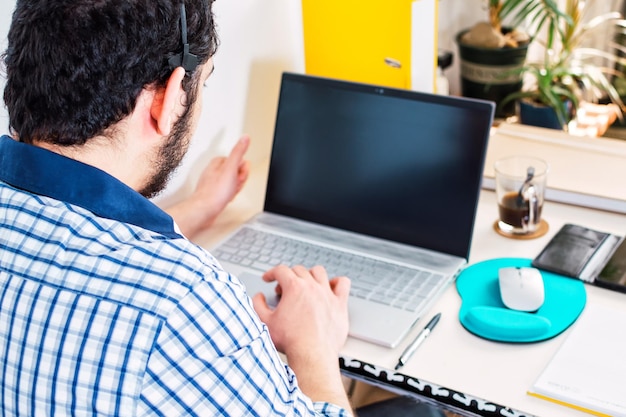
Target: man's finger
column 261, row 307
column 319, row 273
column 239, row 150
column 341, row 287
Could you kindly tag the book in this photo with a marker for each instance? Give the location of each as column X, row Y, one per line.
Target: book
column 579, row 252
column 587, row 371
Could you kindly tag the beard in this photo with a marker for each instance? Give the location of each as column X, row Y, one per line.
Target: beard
column 170, row 155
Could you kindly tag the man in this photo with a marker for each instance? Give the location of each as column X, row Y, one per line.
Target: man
column 105, row 307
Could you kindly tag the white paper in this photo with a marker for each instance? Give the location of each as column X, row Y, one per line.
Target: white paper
column 589, row 369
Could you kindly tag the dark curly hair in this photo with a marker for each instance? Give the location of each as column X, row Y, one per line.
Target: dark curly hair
column 76, row 67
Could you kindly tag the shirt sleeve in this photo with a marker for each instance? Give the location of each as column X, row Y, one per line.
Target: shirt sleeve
column 213, row 356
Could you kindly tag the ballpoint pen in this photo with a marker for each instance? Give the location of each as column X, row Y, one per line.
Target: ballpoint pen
column 408, row 352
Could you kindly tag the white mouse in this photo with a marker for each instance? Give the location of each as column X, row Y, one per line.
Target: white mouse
column 521, row 288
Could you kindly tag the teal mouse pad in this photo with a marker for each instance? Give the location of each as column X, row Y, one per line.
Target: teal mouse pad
column 483, row 313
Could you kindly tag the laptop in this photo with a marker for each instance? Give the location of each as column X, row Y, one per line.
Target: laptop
column 375, row 183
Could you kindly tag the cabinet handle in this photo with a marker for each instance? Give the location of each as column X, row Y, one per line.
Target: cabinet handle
column 393, row 63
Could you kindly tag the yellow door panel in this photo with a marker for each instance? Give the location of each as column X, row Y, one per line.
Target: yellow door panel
column 365, row 41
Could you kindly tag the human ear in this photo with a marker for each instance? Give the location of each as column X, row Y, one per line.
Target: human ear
column 166, row 102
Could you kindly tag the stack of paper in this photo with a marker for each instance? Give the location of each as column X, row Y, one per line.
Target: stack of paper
column 588, row 372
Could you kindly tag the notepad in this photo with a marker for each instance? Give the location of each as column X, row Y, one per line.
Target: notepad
column 588, row 372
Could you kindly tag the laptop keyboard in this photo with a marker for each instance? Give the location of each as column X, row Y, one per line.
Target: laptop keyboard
column 379, row 281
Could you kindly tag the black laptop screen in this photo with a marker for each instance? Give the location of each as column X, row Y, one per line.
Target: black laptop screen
column 394, row 164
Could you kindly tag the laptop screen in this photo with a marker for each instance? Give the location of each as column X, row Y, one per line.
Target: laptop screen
column 394, row 164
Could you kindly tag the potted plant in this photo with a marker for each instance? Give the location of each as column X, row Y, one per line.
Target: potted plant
column 491, row 50
column 570, row 72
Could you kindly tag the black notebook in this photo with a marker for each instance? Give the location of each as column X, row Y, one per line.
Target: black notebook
column 580, row 252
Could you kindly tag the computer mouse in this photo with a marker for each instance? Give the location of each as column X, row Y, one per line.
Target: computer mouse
column 521, row 288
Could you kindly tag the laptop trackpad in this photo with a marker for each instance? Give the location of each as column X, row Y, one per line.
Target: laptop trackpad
column 254, row 284
column 374, row 323
column 378, row 323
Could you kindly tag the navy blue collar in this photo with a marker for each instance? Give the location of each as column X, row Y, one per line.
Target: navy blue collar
column 43, row 172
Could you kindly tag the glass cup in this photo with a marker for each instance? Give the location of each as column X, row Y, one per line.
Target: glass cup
column 520, row 190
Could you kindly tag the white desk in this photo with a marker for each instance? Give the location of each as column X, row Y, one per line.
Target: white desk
column 452, row 357
column 499, row 372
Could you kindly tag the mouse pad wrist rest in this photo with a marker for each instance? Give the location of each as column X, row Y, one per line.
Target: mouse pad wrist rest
column 483, row 313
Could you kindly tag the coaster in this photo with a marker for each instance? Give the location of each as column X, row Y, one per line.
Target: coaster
column 542, row 229
column 483, row 313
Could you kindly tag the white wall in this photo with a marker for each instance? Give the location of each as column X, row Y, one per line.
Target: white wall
column 6, row 9
column 259, row 40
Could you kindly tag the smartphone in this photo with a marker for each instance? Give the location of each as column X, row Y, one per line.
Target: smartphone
column 613, row 275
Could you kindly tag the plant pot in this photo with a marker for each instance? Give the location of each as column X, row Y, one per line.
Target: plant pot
column 539, row 115
column 489, row 74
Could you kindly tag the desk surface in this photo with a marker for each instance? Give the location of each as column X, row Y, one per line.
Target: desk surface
column 452, row 357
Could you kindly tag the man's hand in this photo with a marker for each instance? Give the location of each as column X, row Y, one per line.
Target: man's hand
column 224, row 177
column 309, row 325
column 219, row 183
column 312, row 313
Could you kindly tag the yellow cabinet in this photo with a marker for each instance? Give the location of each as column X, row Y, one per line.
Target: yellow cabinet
column 387, row 42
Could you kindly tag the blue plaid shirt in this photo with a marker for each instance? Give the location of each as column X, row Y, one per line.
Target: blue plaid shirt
column 106, row 310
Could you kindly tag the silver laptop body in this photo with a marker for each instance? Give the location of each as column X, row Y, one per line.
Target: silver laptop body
column 376, row 183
